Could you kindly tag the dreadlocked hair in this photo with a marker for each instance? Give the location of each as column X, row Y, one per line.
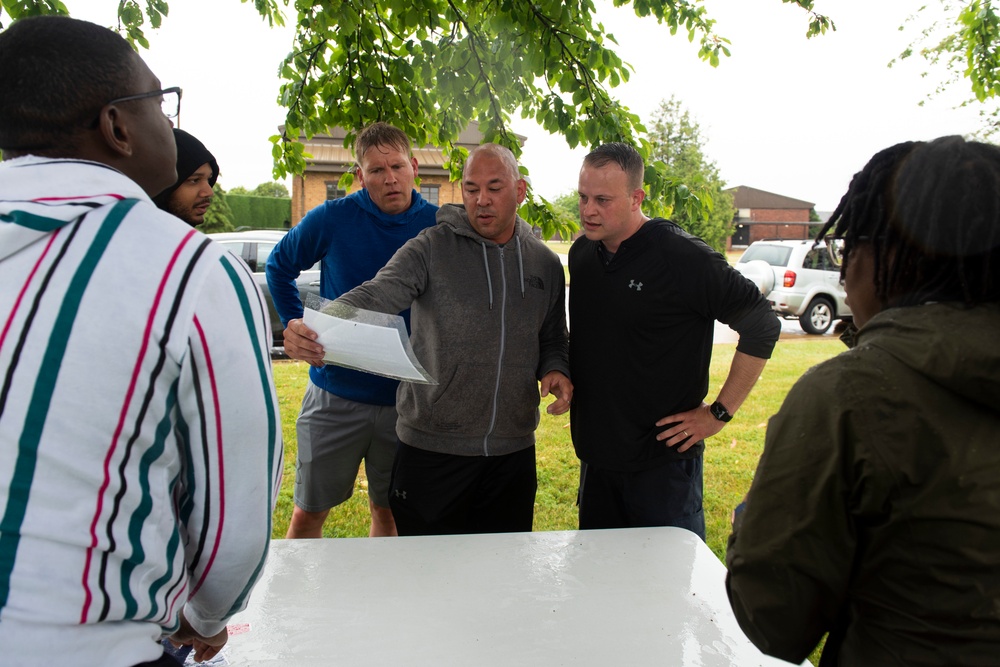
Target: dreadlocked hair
column 931, row 212
column 863, row 212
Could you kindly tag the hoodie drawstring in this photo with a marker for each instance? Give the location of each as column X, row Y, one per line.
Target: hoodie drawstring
column 489, row 281
column 520, row 269
column 520, row 264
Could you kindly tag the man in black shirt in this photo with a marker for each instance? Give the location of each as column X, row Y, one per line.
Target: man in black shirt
column 644, row 300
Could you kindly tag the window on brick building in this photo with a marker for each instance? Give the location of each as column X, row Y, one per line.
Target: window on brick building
column 333, row 192
column 430, row 193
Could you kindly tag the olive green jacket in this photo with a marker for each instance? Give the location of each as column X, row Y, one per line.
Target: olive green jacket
column 875, row 511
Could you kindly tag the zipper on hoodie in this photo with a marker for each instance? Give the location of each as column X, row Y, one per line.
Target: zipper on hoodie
column 503, row 342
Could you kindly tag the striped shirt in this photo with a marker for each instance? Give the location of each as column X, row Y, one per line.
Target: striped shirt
column 140, row 441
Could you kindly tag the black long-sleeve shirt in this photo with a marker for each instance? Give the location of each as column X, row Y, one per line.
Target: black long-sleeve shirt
column 641, row 333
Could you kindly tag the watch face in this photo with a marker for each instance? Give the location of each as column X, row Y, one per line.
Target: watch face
column 719, row 412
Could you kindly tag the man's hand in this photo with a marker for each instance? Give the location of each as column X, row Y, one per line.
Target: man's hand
column 205, row 648
column 300, row 343
column 556, row 383
column 689, row 427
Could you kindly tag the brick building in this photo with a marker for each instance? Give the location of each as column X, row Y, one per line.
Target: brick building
column 330, row 160
column 765, row 215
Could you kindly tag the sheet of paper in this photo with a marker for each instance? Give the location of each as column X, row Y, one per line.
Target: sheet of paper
column 366, row 341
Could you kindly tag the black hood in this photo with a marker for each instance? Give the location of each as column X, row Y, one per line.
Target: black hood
column 191, row 154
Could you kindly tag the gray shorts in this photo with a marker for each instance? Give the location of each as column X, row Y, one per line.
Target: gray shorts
column 335, row 435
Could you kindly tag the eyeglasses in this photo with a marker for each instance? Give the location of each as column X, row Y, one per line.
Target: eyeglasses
column 170, row 103
column 836, row 245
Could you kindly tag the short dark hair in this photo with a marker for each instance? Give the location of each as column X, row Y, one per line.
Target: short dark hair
column 380, row 134
column 56, row 73
column 932, row 214
column 621, row 154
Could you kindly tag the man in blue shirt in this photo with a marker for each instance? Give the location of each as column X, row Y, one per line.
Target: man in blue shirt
column 347, row 416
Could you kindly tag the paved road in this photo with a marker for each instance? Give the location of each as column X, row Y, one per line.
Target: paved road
column 790, row 330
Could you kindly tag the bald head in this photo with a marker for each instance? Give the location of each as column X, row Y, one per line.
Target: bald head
column 492, row 189
column 504, row 155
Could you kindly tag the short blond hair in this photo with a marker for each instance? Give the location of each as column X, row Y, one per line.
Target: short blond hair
column 380, row 134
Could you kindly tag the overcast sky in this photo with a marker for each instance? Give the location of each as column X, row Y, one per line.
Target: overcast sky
column 785, row 114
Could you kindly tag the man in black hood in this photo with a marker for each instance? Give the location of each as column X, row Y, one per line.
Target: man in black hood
column 197, row 172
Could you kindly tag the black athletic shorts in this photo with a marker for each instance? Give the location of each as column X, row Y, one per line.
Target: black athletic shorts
column 447, row 494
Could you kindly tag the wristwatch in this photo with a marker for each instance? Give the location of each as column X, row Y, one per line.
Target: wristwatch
column 719, row 412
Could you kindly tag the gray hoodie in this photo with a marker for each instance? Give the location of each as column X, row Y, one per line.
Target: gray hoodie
column 488, row 321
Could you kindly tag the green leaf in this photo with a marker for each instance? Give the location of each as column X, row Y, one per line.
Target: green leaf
column 432, row 66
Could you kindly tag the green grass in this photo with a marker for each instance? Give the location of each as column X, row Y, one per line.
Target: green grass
column 559, row 246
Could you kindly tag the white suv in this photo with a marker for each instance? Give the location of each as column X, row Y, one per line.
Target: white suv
column 254, row 247
column 800, row 279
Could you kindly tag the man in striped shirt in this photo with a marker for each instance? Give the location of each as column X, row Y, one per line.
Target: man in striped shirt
column 140, row 447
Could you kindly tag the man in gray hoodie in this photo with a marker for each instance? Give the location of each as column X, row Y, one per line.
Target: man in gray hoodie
column 488, row 322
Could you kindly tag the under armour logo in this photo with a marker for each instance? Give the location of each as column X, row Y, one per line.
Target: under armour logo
column 399, row 494
column 633, row 284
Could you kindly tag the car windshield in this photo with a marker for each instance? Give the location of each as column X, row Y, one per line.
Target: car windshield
column 775, row 255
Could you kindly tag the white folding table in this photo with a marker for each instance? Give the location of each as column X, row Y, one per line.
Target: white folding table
column 642, row 596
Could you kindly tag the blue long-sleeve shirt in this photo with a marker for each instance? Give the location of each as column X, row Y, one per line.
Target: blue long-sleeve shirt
column 352, row 239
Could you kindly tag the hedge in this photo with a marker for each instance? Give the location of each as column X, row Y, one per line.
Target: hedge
column 253, row 212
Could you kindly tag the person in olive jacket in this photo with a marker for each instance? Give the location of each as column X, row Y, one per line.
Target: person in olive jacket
column 874, row 515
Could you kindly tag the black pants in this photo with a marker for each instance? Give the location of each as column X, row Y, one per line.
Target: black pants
column 165, row 660
column 446, row 494
column 668, row 495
